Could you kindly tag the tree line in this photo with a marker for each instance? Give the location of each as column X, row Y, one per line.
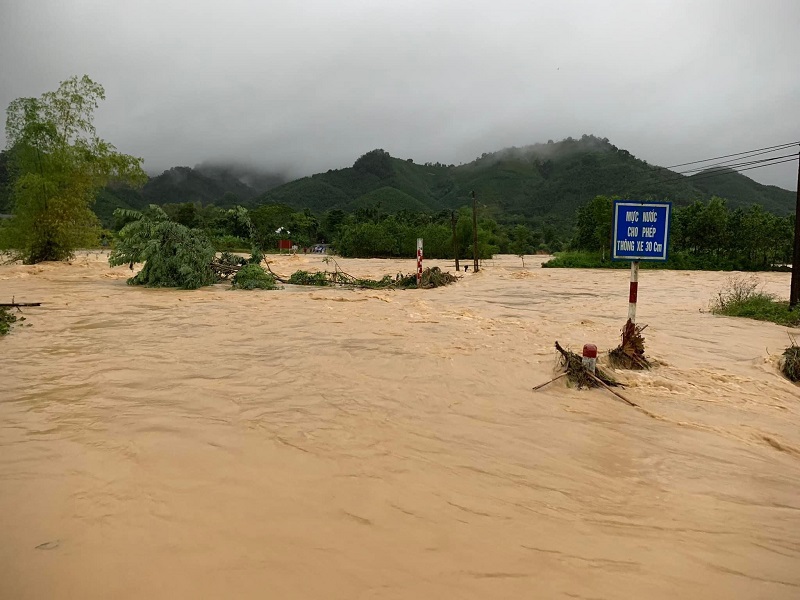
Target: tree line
column 363, row 233
column 703, row 235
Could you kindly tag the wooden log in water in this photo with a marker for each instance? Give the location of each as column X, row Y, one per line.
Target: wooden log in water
column 617, row 394
column 18, row 304
column 541, row 385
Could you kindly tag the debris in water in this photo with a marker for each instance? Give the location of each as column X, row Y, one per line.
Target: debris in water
column 630, row 353
column 49, row 545
column 578, row 374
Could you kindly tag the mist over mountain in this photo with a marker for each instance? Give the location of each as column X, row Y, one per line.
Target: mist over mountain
column 257, row 179
column 221, row 184
column 542, row 181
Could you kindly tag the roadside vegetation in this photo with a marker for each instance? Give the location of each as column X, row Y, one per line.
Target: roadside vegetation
column 743, row 296
column 703, row 236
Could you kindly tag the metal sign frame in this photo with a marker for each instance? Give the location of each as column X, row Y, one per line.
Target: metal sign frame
column 640, row 224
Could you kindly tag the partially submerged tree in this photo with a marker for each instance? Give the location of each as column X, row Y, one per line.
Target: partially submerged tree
column 521, row 244
column 173, row 255
column 594, row 222
column 60, row 164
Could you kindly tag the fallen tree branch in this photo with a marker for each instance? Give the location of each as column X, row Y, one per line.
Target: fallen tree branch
column 616, row 393
column 556, row 378
column 275, row 275
column 431, row 277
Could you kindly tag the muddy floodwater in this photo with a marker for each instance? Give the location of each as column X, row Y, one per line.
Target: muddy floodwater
column 340, row 444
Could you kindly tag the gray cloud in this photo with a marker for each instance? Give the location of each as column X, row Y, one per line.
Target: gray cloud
column 307, row 86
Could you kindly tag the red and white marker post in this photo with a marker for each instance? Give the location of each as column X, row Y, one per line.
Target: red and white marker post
column 419, row 260
column 634, row 291
column 589, row 358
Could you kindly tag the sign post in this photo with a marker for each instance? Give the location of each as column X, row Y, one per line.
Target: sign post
column 633, row 292
column 419, row 260
column 641, row 232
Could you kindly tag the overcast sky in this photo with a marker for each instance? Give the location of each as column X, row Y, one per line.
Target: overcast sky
column 309, row 85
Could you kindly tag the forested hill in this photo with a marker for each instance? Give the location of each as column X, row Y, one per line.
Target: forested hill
column 741, row 191
column 540, row 181
column 221, row 186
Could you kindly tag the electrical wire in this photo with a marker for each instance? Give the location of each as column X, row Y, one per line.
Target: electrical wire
column 735, row 161
column 701, row 176
column 723, row 167
column 767, row 148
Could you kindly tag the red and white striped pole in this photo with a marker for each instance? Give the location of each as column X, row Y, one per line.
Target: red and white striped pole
column 634, row 292
column 419, row 260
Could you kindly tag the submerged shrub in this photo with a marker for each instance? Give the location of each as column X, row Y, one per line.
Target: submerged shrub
column 790, row 363
column 173, row 255
column 739, row 290
column 251, row 277
column 306, row 278
column 7, row 318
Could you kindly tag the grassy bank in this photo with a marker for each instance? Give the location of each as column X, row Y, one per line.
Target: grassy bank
column 677, row 261
column 743, row 297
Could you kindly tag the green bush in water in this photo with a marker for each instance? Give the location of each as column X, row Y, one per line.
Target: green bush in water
column 306, row 278
column 251, row 277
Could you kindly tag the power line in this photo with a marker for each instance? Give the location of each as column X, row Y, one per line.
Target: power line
column 701, row 176
column 778, row 147
column 732, row 160
column 723, row 167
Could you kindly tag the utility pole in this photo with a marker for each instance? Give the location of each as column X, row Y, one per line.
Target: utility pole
column 474, row 233
column 455, row 241
column 794, row 294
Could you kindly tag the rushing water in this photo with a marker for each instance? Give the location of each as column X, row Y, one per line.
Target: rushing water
column 327, row 443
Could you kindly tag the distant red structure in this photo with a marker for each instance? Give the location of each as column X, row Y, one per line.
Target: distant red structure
column 284, row 244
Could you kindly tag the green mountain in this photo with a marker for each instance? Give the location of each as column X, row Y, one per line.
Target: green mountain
column 390, row 197
column 743, row 191
column 542, row 181
column 223, row 186
column 182, row 184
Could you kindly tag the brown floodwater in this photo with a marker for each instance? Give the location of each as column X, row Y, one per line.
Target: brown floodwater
column 330, row 443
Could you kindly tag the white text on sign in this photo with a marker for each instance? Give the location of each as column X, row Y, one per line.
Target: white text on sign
column 640, row 231
column 639, row 246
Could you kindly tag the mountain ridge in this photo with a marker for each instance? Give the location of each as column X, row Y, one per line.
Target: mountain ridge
column 539, row 181
column 545, row 182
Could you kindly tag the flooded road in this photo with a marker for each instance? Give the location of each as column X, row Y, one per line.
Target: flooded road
column 328, row 443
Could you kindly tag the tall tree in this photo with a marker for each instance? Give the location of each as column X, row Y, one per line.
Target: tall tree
column 593, row 230
column 60, row 165
column 521, row 244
